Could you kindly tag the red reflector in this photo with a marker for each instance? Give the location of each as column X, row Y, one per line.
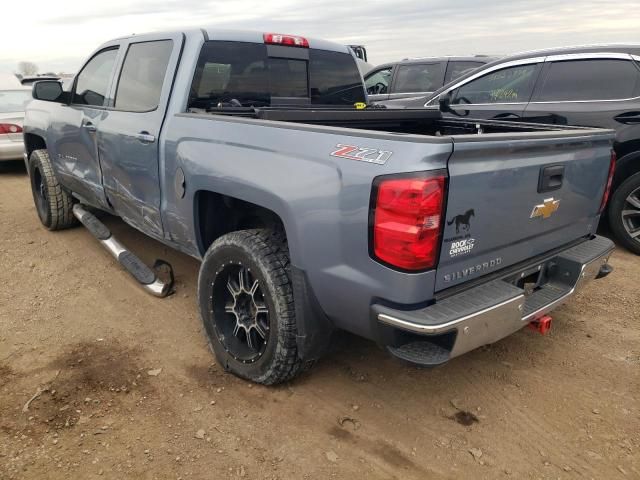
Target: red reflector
column 407, row 219
column 607, row 190
column 285, row 40
column 9, row 128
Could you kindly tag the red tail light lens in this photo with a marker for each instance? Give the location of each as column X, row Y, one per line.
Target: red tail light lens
column 406, row 221
column 9, row 128
column 607, row 190
column 285, row 40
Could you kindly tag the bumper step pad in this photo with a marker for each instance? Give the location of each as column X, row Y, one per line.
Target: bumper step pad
column 425, row 353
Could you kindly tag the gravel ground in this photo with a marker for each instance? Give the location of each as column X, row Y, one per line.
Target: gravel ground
column 100, row 380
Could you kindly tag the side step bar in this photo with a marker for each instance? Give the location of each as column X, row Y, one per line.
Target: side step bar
column 144, row 275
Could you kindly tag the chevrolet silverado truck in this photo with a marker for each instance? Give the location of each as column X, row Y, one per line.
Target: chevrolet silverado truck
column 253, row 153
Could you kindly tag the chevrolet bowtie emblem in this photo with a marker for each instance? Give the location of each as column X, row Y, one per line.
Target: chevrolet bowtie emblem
column 546, row 209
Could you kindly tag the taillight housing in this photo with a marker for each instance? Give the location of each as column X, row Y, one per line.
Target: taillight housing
column 6, row 128
column 607, row 189
column 406, row 220
column 285, row 40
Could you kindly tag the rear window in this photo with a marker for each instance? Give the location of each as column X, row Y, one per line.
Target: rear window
column 600, row 79
column 14, row 100
column 242, row 74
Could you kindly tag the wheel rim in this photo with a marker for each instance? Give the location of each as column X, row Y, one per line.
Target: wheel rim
column 240, row 312
column 40, row 191
column 631, row 214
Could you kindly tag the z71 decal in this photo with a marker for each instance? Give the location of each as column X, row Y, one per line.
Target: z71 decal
column 369, row 155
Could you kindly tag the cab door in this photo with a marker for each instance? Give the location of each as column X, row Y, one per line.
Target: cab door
column 128, row 135
column 378, row 84
column 73, row 148
column 501, row 93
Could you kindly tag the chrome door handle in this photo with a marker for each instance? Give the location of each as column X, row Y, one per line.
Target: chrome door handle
column 90, row 127
column 145, row 137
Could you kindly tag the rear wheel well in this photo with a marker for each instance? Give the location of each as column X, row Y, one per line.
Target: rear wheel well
column 626, row 166
column 218, row 214
column 33, row 142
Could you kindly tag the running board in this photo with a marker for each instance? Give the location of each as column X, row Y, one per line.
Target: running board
column 145, row 276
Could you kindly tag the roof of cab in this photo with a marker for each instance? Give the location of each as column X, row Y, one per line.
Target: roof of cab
column 252, row 36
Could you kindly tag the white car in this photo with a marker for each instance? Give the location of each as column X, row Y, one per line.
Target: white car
column 13, row 102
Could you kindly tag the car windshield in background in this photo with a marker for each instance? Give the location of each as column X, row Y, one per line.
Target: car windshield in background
column 14, row 100
column 242, row 74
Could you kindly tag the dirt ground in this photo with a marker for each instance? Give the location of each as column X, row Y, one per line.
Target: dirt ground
column 122, row 385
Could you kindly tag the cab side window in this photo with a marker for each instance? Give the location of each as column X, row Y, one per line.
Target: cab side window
column 378, row 82
column 509, row 85
column 93, row 80
column 419, row 78
column 595, row 79
column 142, row 76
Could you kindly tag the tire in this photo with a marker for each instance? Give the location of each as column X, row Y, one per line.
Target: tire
column 246, row 305
column 623, row 219
column 53, row 204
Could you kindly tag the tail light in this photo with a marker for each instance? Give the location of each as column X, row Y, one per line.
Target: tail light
column 407, row 218
column 607, row 189
column 6, row 128
column 285, row 40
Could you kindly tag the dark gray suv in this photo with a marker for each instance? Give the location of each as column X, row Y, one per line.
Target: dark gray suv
column 392, row 84
column 594, row 86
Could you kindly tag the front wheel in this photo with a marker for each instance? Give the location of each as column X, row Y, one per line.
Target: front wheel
column 246, row 305
column 53, row 204
column 624, row 213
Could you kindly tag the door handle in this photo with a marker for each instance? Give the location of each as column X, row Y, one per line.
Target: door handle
column 550, row 178
column 630, row 118
column 89, row 127
column 145, row 137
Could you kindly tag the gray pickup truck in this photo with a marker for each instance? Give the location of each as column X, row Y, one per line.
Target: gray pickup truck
column 429, row 236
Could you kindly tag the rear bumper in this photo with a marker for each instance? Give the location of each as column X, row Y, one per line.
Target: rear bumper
column 491, row 311
column 10, row 150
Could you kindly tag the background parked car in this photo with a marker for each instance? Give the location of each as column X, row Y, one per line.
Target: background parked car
column 597, row 86
column 392, row 84
column 12, row 105
column 36, row 78
column 8, row 80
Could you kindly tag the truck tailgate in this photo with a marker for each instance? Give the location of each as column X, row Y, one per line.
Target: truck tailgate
column 509, row 201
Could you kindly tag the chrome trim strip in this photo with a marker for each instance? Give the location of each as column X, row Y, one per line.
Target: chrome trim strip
column 434, row 329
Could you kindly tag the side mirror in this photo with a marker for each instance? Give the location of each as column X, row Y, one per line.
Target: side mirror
column 445, row 102
column 49, row 91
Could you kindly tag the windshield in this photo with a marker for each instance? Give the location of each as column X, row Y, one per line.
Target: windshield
column 14, row 100
column 242, row 74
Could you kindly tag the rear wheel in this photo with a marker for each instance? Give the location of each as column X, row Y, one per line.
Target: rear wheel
column 246, row 304
column 624, row 213
column 53, row 204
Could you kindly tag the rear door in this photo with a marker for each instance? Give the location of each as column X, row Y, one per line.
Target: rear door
column 598, row 90
column 128, row 134
column 501, row 93
column 513, row 198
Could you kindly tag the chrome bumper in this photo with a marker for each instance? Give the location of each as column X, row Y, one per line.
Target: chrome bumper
column 491, row 311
